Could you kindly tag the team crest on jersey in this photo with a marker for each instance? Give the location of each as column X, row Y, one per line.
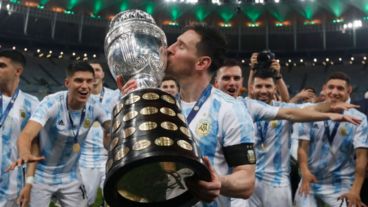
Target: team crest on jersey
column 343, row 131
column 22, row 114
column 273, row 124
column 61, row 123
column 96, row 124
column 87, row 123
column 203, row 128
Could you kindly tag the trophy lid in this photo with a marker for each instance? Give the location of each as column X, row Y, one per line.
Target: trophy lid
column 131, row 15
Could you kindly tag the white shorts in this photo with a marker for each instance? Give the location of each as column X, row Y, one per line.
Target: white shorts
column 322, row 198
column 92, row 178
column 8, row 203
column 266, row 195
column 69, row 195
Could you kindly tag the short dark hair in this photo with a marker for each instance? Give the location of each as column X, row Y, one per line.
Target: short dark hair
column 14, row 56
column 264, row 74
column 212, row 44
column 170, row 78
column 339, row 76
column 78, row 66
column 231, row 62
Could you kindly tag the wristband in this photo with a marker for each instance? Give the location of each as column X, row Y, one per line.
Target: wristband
column 29, row 180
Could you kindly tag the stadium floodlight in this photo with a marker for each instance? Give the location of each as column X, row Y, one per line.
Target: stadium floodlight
column 217, row 2
column 191, row 1
column 259, row 1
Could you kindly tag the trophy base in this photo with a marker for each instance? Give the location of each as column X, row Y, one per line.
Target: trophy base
column 152, row 153
column 152, row 181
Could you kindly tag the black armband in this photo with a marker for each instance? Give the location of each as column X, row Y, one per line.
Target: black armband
column 240, row 154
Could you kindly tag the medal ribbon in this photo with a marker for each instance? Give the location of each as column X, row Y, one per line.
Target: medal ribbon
column 332, row 135
column 204, row 96
column 8, row 108
column 83, row 114
column 102, row 94
column 262, row 132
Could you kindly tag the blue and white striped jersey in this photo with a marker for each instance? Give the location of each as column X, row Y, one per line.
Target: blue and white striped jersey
column 272, row 142
column 11, row 182
column 57, row 137
column 337, row 167
column 222, row 121
column 93, row 153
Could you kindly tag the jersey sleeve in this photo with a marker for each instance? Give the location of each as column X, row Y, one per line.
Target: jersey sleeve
column 103, row 114
column 42, row 112
column 237, row 125
column 304, row 131
column 361, row 134
column 259, row 110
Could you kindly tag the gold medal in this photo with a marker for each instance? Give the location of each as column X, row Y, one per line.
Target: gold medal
column 169, row 126
column 87, row 123
column 76, row 147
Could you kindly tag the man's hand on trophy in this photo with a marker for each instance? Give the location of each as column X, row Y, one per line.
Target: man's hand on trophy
column 125, row 87
column 206, row 190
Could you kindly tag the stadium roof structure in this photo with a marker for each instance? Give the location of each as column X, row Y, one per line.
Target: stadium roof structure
column 284, row 26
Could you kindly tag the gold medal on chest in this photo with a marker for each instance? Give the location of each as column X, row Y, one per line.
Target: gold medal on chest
column 76, row 147
column 87, row 123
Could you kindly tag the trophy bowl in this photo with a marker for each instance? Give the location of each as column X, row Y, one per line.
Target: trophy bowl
column 152, row 151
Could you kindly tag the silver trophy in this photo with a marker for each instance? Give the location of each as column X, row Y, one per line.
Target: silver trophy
column 152, row 150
